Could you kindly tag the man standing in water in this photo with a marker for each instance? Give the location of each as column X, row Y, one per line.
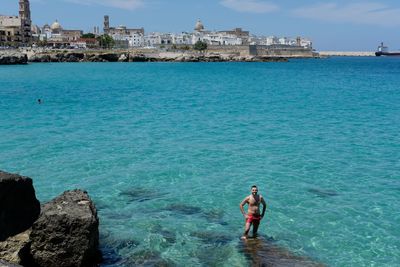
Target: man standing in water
column 253, row 216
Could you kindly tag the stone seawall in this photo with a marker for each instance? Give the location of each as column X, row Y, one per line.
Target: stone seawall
column 346, row 54
column 288, row 51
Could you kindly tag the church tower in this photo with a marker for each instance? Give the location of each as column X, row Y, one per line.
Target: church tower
column 25, row 17
column 106, row 27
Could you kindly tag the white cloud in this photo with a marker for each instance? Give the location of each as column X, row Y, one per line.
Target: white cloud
column 358, row 13
column 250, row 6
column 123, row 4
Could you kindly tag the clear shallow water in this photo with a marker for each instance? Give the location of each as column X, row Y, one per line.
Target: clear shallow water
column 168, row 150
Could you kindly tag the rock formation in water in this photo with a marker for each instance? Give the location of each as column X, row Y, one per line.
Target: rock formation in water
column 66, row 233
column 13, row 58
column 138, row 57
column 19, row 207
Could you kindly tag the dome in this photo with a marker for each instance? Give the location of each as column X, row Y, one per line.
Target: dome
column 56, row 26
column 199, row 26
column 121, row 27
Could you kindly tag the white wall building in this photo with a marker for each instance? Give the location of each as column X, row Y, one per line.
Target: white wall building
column 305, row 42
column 182, row 38
column 134, row 39
column 152, row 39
column 216, row 38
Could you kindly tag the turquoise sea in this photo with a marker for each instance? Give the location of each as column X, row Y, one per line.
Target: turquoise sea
column 168, row 150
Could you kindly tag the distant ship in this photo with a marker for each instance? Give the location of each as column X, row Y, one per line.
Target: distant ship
column 384, row 51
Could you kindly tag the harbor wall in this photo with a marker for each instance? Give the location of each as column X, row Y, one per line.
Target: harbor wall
column 346, row 54
column 281, row 51
column 259, row 50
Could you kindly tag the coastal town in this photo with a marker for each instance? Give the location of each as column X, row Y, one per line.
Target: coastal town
column 20, row 32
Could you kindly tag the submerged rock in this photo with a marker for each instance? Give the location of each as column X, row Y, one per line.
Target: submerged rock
column 141, row 194
column 147, row 258
column 212, row 238
column 260, row 252
column 19, row 207
column 168, row 235
column 184, row 209
column 66, row 233
column 323, row 193
column 215, row 216
column 110, row 256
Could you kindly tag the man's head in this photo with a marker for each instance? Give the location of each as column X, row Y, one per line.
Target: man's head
column 254, row 190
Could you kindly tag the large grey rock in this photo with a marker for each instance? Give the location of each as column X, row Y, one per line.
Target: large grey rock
column 8, row 264
column 66, row 233
column 19, row 207
column 15, row 250
column 123, row 58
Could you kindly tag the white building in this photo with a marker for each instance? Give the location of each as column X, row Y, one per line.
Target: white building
column 262, row 40
column 232, row 37
column 55, row 34
column 182, row 38
column 217, row 38
column 156, row 38
column 305, row 42
column 133, row 38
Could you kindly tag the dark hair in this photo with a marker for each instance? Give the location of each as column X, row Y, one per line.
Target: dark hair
column 253, row 186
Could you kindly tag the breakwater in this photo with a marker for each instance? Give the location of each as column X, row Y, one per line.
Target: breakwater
column 346, row 54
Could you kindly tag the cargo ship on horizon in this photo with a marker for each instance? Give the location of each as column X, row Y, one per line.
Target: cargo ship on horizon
column 384, row 51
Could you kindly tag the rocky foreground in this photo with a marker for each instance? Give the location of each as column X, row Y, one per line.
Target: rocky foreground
column 107, row 56
column 62, row 233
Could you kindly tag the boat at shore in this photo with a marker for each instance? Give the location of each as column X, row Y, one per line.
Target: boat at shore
column 384, row 51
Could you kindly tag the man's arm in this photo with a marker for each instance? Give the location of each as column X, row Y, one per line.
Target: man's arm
column 264, row 207
column 242, row 205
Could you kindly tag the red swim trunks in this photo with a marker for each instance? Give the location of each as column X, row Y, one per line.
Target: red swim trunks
column 253, row 218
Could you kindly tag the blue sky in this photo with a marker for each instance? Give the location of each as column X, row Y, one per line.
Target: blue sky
column 332, row 25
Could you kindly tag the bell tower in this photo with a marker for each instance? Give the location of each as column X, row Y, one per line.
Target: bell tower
column 24, row 10
column 106, row 27
column 25, row 17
